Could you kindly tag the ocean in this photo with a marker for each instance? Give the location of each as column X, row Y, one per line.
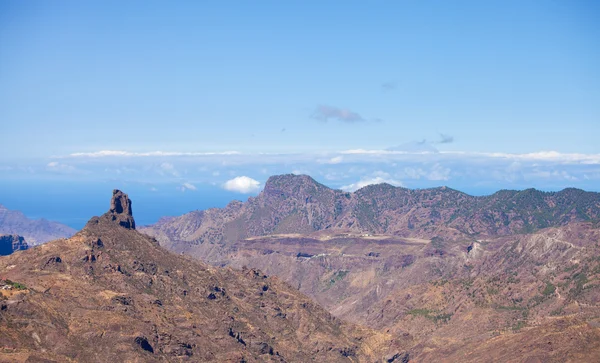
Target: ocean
column 74, row 203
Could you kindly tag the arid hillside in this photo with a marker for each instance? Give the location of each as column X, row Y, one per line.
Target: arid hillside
column 298, row 204
column 515, row 272
column 110, row 293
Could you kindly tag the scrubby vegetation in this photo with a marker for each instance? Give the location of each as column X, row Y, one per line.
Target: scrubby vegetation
column 15, row 285
column 431, row 315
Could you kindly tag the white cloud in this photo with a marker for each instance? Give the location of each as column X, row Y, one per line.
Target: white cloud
column 56, row 167
column 168, row 168
column 120, row 153
column 387, row 152
column 337, row 157
column 371, row 152
column 187, row 186
column 553, row 175
column 242, row 184
column 555, row 156
column 550, row 156
column 335, row 160
column 333, row 175
column 350, row 168
column 438, row 172
column 378, row 177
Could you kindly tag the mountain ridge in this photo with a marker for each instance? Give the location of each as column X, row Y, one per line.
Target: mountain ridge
column 513, row 275
column 35, row 231
column 299, row 204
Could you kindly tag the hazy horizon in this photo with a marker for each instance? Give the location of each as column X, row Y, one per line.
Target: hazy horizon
column 201, row 102
column 86, row 200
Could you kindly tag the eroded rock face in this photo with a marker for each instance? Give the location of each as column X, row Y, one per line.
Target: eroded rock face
column 11, row 243
column 120, row 209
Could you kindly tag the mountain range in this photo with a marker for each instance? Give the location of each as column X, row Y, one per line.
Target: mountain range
column 303, row 273
column 299, row 204
column 35, row 231
column 513, row 275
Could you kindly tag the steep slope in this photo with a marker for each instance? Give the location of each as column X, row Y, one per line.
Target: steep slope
column 298, row 204
column 449, row 298
column 110, row 293
column 11, row 243
column 34, row 231
column 444, row 270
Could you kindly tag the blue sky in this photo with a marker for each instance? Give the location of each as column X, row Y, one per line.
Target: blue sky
column 414, row 93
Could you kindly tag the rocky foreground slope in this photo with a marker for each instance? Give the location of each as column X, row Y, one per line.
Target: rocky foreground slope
column 34, row 231
column 110, row 293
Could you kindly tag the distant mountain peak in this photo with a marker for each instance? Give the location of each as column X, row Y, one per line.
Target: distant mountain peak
column 278, row 180
column 120, row 210
column 36, row 231
column 292, row 183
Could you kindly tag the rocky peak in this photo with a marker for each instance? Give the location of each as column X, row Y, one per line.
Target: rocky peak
column 120, row 210
column 279, row 180
column 290, row 183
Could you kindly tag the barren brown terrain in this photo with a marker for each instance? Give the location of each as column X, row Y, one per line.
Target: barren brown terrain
column 110, row 293
column 526, row 289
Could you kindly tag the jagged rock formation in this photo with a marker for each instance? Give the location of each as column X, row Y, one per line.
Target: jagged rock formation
column 34, row 231
column 110, row 293
column 11, row 243
column 120, row 210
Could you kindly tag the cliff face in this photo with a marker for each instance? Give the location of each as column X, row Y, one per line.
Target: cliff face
column 11, row 243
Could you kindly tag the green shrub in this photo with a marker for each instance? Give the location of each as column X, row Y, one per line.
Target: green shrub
column 549, row 289
column 16, row 285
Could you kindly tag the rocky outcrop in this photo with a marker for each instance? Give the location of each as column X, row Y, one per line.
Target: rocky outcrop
column 120, row 210
column 11, row 243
